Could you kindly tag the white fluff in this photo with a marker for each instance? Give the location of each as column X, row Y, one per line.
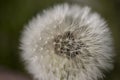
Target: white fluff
column 38, row 51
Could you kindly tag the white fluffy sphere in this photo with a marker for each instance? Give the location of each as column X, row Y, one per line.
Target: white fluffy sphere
column 67, row 42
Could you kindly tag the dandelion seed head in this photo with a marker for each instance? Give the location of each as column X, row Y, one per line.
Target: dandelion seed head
column 67, row 42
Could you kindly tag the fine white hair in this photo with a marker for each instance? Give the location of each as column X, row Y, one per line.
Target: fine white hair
column 38, row 50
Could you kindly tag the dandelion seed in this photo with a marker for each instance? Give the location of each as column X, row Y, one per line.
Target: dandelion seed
column 41, row 48
column 48, row 38
column 40, row 38
column 78, row 44
column 46, row 42
column 52, row 37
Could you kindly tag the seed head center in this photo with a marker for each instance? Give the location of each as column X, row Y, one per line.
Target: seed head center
column 66, row 45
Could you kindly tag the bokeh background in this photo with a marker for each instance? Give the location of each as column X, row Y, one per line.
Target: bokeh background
column 14, row 14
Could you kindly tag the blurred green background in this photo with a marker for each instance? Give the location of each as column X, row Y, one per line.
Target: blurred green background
column 14, row 14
